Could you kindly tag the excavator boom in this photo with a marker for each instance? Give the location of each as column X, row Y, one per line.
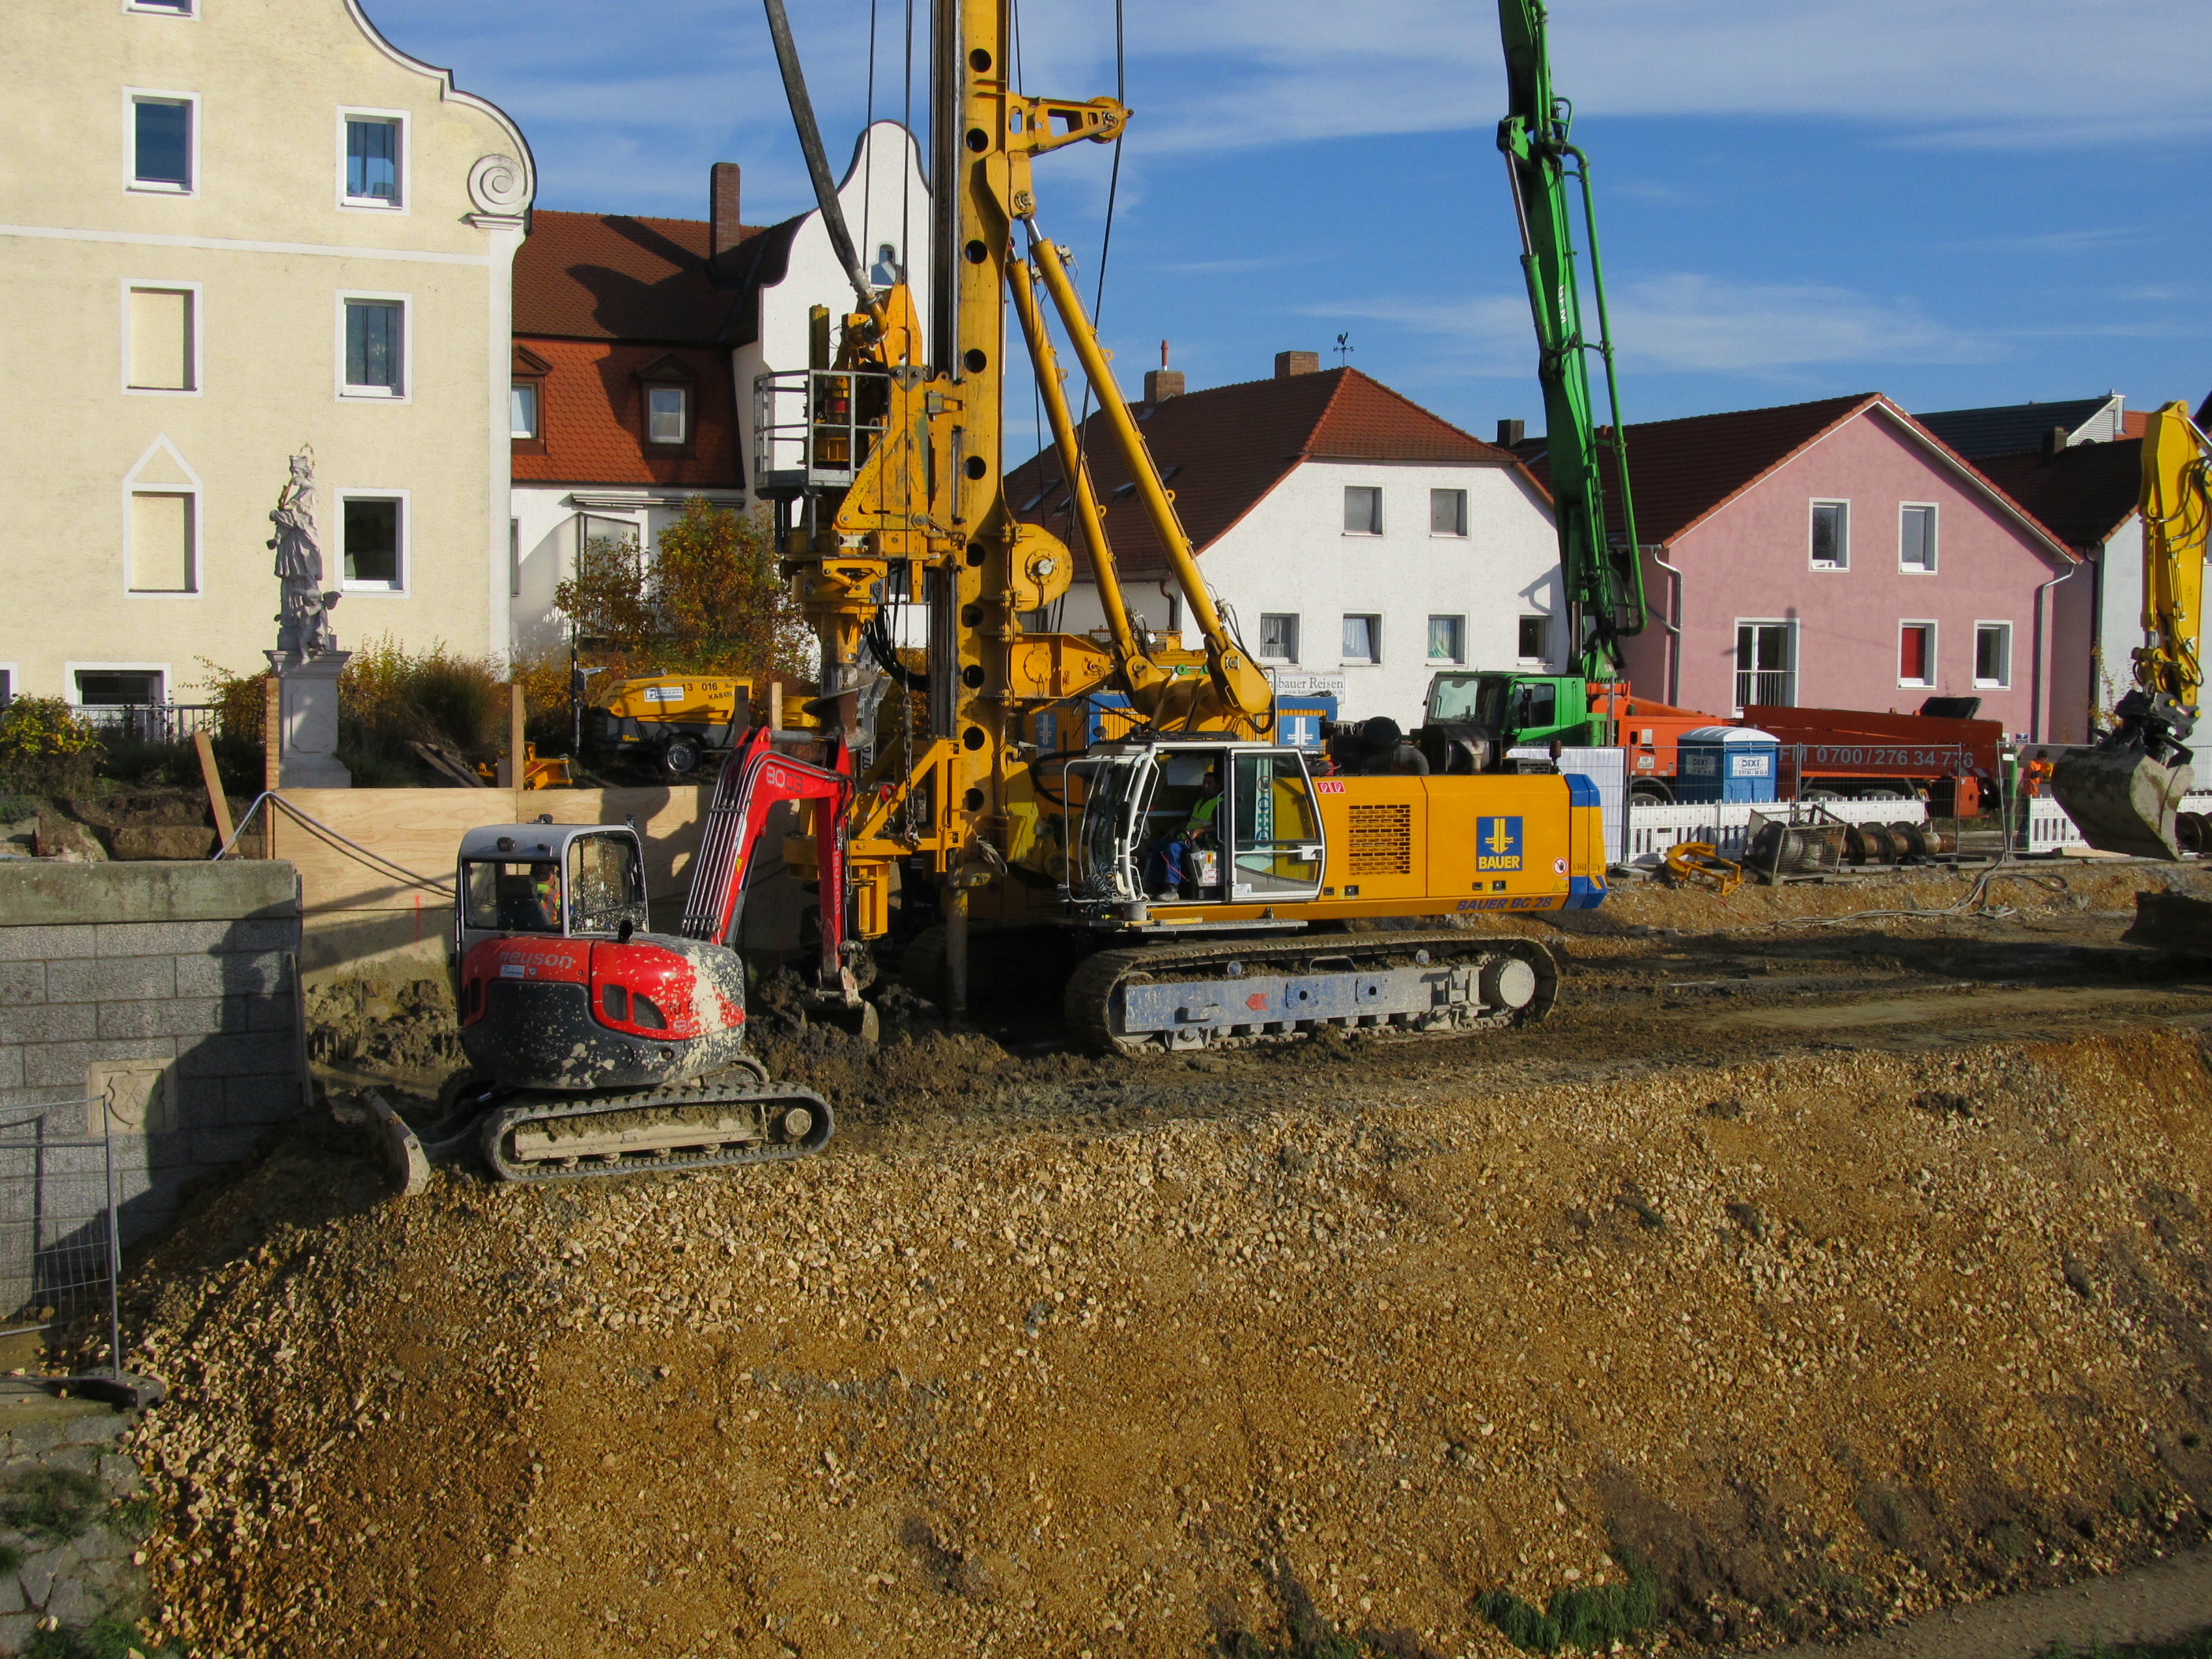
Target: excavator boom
column 2123, row 794
column 1604, row 581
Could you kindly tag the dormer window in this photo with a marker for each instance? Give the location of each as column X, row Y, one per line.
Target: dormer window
column 664, row 387
column 525, row 402
column 667, row 414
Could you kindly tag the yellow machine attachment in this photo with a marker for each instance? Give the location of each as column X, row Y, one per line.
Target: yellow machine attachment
column 2123, row 794
column 1693, row 862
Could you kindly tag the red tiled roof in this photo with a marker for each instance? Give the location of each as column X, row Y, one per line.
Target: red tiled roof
column 610, row 276
column 2081, row 494
column 1685, row 470
column 1229, row 445
column 1682, row 471
column 590, row 410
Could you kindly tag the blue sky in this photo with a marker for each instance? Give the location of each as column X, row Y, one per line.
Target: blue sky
column 1955, row 202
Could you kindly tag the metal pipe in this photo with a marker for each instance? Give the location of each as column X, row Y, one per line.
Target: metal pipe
column 955, row 953
column 2042, row 656
column 1674, row 627
column 1049, row 378
column 818, row 162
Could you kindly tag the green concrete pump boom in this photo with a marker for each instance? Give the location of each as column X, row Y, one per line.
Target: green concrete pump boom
column 1604, row 580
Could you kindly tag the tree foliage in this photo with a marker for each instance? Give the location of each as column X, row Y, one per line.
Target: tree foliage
column 711, row 601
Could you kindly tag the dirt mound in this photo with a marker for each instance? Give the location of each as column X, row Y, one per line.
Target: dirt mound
column 1816, row 1342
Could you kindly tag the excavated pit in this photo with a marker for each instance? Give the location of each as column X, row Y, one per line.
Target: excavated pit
column 1823, row 1291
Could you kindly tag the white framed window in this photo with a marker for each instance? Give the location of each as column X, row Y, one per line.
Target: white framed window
column 522, row 398
column 1447, row 639
column 1993, row 654
column 161, row 338
column 372, row 160
column 1278, row 636
column 112, row 684
column 1532, row 639
column 162, row 540
column 1916, row 653
column 1448, row 513
column 373, row 526
column 164, row 8
column 1831, row 536
column 1916, row 538
column 667, row 412
column 374, row 346
column 160, row 142
column 1766, row 664
column 1362, row 639
column 1362, row 510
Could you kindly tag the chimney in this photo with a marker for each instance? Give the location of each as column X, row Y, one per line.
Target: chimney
column 2054, row 440
column 1511, row 433
column 722, row 208
column 1162, row 384
column 1288, row 363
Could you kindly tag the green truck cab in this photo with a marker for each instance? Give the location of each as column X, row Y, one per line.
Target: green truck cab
column 1475, row 718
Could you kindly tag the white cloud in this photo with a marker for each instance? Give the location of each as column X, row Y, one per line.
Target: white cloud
column 1963, row 72
column 1688, row 322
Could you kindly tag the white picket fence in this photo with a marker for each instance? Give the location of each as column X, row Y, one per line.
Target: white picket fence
column 1651, row 829
column 1726, row 825
column 2050, row 830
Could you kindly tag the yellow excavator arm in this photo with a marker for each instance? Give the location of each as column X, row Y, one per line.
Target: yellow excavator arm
column 2124, row 793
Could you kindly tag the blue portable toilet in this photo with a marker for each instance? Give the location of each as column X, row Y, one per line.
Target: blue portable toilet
column 1724, row 764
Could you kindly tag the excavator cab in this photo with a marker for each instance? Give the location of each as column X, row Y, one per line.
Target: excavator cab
column 1195, row 822
column 564, row 881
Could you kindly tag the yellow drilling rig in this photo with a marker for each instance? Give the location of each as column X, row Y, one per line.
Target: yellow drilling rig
column 1219, row 891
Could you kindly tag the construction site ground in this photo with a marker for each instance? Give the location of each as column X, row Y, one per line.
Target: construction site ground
column 1827, row 1269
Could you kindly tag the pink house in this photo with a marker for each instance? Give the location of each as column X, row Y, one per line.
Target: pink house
column 1838, row 554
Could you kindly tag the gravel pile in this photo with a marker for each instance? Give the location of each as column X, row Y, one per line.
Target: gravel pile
column 1817, row 1342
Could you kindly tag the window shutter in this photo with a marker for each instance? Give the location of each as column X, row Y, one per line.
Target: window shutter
column 160, row 339
column 161, row 544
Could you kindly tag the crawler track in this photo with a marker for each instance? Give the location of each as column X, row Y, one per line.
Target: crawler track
column 709, row 1123
column 1223, row 993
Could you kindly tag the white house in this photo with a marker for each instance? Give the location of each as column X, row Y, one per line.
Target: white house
column 1360, row 543
column 637, row 343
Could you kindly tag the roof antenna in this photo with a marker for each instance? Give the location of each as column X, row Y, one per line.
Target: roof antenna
column 1343, row 350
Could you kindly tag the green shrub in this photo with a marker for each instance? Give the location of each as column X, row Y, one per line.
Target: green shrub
column 45, row 750
column 1590, row 1620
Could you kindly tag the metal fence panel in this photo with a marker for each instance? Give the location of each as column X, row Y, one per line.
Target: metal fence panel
column 58, row 1253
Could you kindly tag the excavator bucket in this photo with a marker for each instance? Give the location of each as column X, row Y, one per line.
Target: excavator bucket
column 2122, row 801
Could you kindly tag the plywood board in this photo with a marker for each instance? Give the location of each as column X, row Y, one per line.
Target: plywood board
column 411, row 835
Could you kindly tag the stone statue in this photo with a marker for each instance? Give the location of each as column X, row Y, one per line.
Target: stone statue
column 303, row 626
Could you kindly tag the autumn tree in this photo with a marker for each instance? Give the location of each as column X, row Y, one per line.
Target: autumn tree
column 710, row 602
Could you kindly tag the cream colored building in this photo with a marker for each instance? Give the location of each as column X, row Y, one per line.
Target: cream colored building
column 228, row 227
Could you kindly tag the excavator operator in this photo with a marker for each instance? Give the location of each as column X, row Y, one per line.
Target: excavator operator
column 1170, row 861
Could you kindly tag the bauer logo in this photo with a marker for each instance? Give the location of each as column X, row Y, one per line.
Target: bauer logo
column 1498, row 843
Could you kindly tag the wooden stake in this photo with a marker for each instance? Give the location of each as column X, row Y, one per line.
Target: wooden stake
column 218, row 803
column 513, row 770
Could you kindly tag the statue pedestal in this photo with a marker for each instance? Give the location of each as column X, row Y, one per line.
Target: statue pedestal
column 308, row 720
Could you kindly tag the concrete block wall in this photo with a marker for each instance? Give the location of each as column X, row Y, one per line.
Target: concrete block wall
column 189, row 968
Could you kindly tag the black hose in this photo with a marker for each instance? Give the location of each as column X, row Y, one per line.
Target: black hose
column 877, row 637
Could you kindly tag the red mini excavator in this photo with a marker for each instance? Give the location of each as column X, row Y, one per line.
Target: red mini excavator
column 600, row 1047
